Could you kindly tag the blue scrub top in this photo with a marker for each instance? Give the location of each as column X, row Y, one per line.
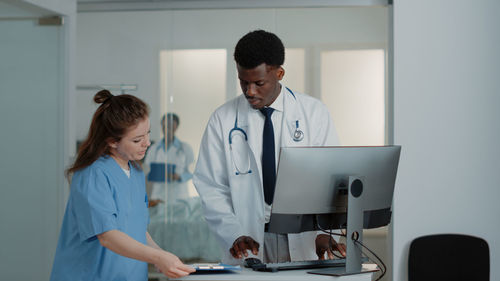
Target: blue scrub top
column 102, row 198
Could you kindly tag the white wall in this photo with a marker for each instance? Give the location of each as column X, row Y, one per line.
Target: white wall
column 446, row 98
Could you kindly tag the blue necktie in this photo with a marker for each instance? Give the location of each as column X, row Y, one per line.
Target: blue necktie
column 268, row 161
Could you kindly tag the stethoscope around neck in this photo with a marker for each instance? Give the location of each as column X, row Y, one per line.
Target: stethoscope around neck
column 231, row 132
column 163, row 146
column 297, row 136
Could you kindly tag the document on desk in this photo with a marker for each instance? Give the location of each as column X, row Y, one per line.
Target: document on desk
column 207, row 267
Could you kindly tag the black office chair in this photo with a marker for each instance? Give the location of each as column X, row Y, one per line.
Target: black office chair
column 444, row 257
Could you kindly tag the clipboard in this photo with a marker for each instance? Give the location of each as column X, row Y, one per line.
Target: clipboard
column 157, row 171
column 214, row 267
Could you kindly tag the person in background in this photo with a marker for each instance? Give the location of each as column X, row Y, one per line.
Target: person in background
column 236, row 170
column 104, row 232
column 173, row 156
column 177, row 222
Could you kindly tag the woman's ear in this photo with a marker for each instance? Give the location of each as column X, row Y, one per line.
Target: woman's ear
column 112, row 143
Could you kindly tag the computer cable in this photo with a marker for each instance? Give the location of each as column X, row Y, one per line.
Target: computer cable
column 383, row 266
column 330, row 233
column 330, row 245
column 315, row 220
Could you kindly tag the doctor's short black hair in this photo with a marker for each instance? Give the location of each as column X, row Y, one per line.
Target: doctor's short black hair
column 258, row 47
column 170, row 116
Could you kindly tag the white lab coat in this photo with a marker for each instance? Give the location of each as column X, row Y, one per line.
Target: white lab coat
column 234, row 204
column 181, row 155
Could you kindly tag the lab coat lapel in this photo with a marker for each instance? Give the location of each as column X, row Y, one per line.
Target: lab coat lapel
column 301, row 245
column 249, row 187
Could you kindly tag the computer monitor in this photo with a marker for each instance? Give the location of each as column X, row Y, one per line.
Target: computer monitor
column 334, row 187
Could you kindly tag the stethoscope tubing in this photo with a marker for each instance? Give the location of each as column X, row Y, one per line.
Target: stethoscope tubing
column 297, row 136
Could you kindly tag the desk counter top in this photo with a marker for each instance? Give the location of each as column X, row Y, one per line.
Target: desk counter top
column 246, row 274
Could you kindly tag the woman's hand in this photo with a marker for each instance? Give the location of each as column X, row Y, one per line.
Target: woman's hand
column 172, row 266
column 126, row 246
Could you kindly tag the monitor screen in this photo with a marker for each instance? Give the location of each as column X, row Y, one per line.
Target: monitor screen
column 311, row 186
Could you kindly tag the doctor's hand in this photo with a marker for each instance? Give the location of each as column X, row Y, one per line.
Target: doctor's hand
column 172, row 266
column 154, row 202
column 173, row 177
column 324, row 243
column 241, row 245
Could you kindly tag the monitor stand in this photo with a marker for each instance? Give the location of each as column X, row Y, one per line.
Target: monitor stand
column 354, row 233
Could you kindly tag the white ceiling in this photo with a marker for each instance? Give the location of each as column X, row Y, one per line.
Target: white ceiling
column 20, row 10
column 138, row 5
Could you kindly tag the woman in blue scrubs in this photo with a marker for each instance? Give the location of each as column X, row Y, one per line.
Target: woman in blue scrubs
column 104, row 232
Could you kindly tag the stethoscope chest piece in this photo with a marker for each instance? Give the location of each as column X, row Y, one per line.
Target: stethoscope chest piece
column 298, row 135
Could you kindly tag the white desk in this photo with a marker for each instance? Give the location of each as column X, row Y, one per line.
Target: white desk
column 249, row 275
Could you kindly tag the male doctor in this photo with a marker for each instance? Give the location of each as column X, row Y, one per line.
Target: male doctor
column 236, row 170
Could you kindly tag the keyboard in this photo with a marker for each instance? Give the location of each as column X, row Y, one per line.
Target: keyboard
column 273, row 267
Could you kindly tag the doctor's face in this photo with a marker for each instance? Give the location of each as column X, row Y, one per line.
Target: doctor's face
column 169, row 130
column 261, row 84
column 132, row 146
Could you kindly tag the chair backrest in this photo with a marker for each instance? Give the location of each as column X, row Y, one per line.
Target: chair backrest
column 449, row 257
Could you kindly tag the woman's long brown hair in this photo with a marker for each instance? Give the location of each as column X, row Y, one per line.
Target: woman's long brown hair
column 110, row 122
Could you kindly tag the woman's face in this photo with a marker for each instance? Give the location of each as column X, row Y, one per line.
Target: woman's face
column 133, row 144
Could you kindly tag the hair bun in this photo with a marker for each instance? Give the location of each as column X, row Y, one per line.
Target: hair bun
column 102, row 96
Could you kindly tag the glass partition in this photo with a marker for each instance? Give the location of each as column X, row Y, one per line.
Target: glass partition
column 182, row 62
column 193, row 85
column 31, row 110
